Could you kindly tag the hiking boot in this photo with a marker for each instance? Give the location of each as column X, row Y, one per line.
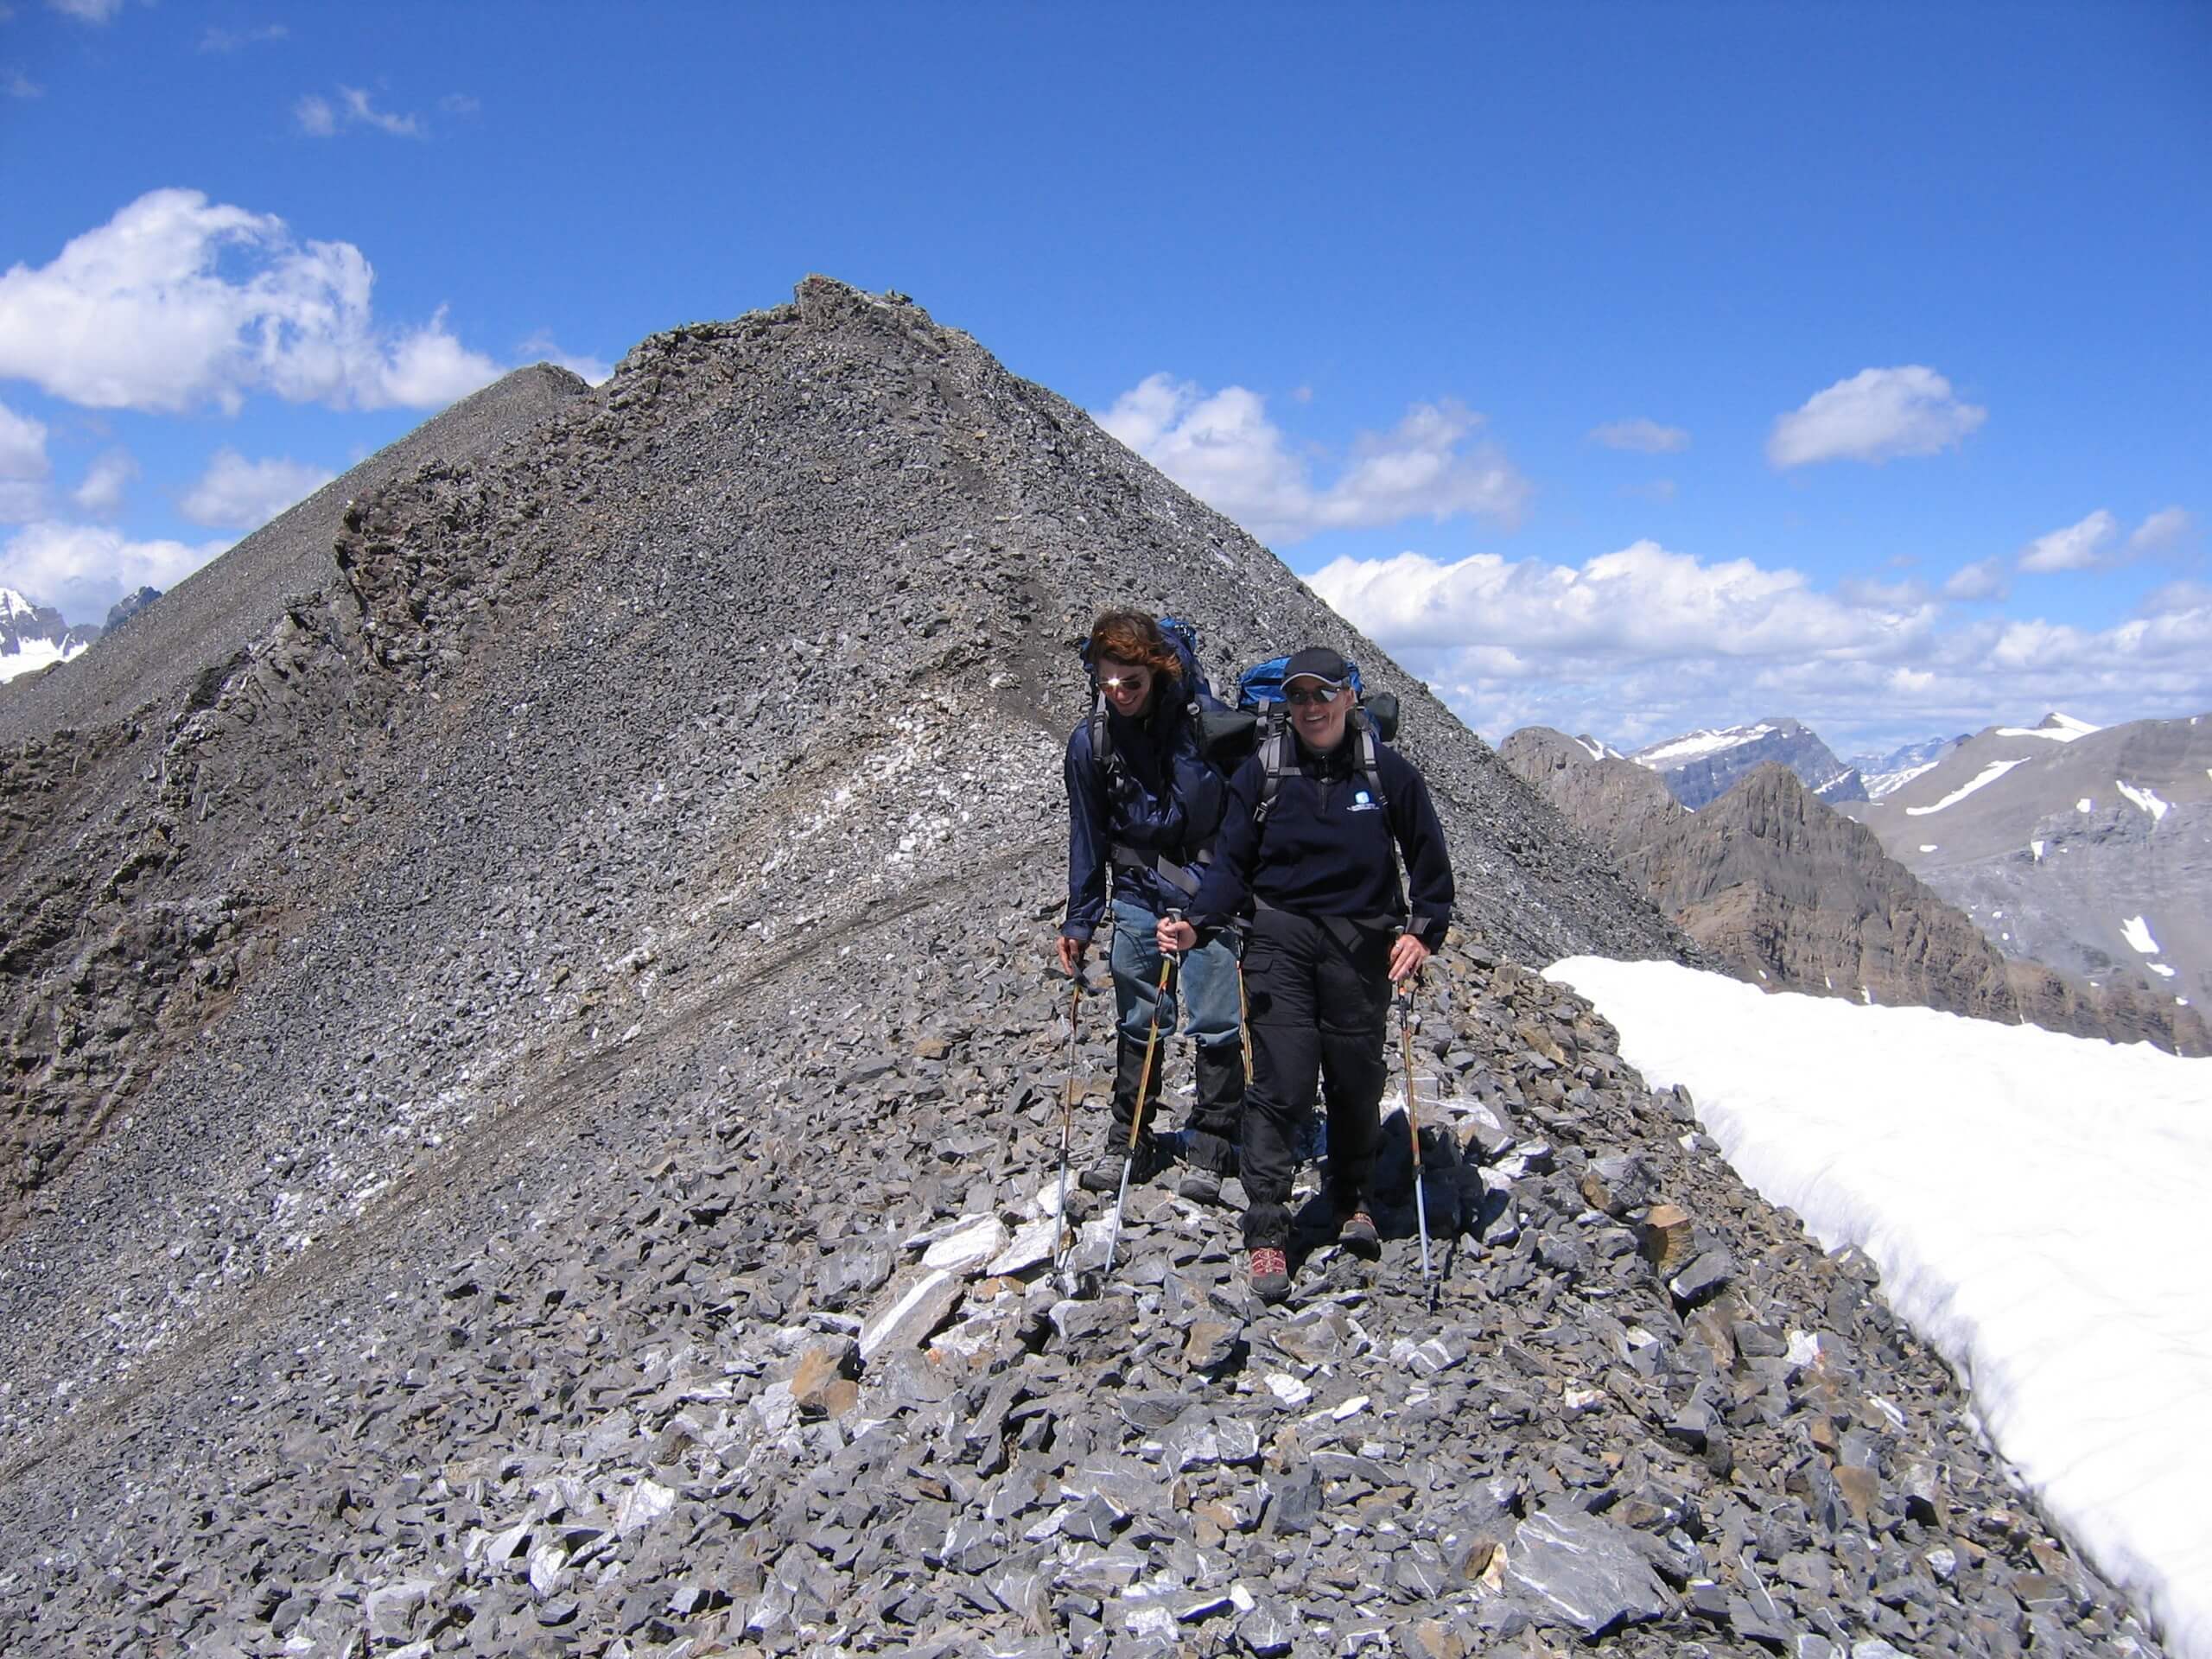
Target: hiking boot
column 1358, row 1236
column 1103, row 1174
column 1199, row 1184
column 1270, row 1275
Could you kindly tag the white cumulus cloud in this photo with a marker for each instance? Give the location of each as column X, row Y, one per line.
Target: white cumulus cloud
column 235, row 493
column 1644, row 437
column 1647, row 642
column 23, row 467
column 1643, row 602
column 178, row 301
column 1875, row 415
column 81, row 569
column 1983, row 579
column 102, row 491
column 1222, row 446
column 321, row 117
column 2082, row 546
column 2162, row 530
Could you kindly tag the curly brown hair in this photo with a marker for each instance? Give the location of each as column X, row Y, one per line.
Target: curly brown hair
column 1133, row 637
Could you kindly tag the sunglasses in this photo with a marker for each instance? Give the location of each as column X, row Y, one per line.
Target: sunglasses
column 1303, row 697
column 1125, row 681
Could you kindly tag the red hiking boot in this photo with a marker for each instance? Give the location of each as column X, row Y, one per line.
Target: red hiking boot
column 1270, row 1275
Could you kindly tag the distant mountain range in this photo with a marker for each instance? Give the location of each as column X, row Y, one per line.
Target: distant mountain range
column 1788, row 891
column 1701, row 766
column 1885, row 773
column 2085, row 847
column 35, row 635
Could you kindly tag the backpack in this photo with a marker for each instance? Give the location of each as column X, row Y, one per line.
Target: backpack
column 1261, row 721
column 1181, row 638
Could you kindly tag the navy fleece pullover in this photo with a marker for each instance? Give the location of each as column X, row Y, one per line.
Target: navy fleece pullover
column 1327, row 850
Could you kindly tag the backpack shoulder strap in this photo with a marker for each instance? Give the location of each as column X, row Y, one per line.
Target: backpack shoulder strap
column 1277, row 756
column 1370, row 767
column 1101, row 740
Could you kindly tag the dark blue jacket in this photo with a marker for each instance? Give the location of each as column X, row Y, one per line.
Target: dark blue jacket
column 1163, row 801
column 1325, row 849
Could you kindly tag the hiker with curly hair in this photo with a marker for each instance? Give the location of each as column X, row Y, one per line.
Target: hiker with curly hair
column 1142, row 807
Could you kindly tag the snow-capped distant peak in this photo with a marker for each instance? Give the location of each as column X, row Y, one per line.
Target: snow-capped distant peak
column 1690, row 746
column 1598, row 751
column 13, row 605
column 2059, row 728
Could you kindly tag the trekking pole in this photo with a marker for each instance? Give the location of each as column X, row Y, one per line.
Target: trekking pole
column 1243, row 1018
column 1413, row 1125
column 1167, row 962
column 1060, row 1238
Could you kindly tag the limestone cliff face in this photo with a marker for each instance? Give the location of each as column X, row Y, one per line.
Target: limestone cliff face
column 1784, row 890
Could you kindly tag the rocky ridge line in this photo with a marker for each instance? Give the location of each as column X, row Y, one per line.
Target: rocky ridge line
column 685, row 776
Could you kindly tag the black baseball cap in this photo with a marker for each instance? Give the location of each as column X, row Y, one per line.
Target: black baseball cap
column 1317, row 662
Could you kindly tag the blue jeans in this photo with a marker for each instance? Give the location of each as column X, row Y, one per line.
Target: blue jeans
column 1206, row 984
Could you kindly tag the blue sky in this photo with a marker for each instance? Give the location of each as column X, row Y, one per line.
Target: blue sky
column 1622, row 368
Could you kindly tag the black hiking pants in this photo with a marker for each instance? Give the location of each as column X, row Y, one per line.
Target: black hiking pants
column 1319, row 994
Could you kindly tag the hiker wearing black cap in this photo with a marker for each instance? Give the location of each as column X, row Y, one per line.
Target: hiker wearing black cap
column 1142, row 803
column 1316, row 856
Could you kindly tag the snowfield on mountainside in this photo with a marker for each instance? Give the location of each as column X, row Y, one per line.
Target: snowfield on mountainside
column 2033, row 1202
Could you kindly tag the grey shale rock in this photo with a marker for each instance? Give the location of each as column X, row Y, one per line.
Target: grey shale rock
column 1581, row 1572
column 497, row 1035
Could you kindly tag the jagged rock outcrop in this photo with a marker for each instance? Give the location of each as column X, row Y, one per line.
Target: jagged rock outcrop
column 206, row 621
column 531, row 1048
column 131, row 605
column 1788, row 891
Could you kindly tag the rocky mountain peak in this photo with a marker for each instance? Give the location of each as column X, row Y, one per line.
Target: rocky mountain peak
column 534, row 1099
column 1702, row 765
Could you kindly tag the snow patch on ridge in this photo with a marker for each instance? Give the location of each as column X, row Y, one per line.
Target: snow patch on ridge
column 2137, row 931
column 1990, row 774
column 2107, row 1432
column 2147, row 798
column 2059, row 728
